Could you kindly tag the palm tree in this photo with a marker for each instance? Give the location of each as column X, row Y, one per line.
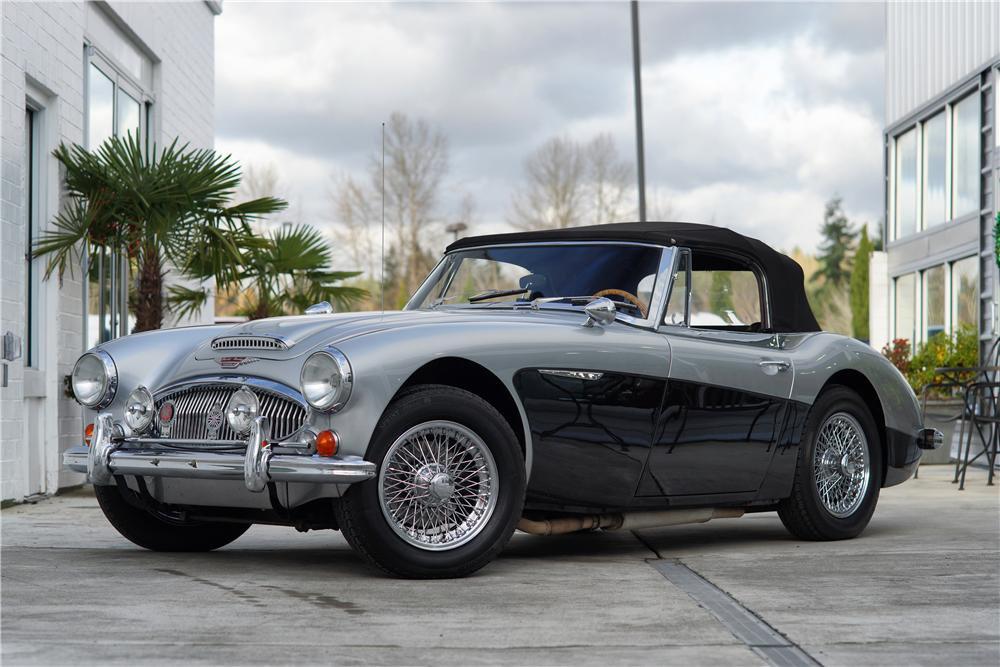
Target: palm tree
column 157, row 208
column 286, row 273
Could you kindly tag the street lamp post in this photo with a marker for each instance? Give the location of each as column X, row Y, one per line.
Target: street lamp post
column 637, row 79
column 456, row 228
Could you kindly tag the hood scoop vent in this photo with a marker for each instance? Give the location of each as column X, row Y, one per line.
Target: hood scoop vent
column 248, row 343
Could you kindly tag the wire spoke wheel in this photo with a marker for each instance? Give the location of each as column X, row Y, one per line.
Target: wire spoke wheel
column 438, row 485
column 841, row 464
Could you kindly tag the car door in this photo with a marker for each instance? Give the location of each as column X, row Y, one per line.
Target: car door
column 725, row 397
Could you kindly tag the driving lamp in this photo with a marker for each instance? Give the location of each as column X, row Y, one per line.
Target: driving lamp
column 139, row 409
column 242, row 409
column 326, row 380
column 95, row 379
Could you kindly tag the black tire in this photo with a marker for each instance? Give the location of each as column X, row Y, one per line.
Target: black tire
column 150, row 532
column 803, row 512
column 359, row 512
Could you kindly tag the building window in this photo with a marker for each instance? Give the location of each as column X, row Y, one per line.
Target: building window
column 933, row 301
column 906, row 307
column 965, row 292
column 935, row 159
column 906, row 183
column 965, row 156
column 115, row 107
column 100, row 107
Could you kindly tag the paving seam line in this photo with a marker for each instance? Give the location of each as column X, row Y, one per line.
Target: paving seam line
column 760, row 637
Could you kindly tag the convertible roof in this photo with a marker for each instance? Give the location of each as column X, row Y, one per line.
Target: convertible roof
column 790, row 310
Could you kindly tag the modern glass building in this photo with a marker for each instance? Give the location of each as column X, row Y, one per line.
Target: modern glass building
column 942, row 165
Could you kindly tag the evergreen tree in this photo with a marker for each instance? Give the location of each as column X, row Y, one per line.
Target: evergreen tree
column 838, row 235
column 720, row 297
column 859, row 287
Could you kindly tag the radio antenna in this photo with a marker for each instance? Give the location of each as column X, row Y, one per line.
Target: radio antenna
column 382, row 256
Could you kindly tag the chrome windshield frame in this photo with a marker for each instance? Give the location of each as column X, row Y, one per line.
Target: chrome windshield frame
column 657, row 301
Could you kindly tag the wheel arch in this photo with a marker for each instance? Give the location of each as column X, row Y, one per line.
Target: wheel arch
column 477, row 379
column 857, row 382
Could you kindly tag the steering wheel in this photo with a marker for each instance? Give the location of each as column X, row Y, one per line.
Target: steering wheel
column 631, row 298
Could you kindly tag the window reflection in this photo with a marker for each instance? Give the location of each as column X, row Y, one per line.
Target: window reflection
column 906, row 307
column 935, row 158
column 965, row 156
column 934, row 300
column 964, row 291
column 906, row 183
column 100, row 107
column 128, row 115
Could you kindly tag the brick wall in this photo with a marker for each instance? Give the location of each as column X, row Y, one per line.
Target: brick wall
column 42, row 60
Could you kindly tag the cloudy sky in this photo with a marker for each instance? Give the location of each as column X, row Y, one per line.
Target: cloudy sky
column 755, row 113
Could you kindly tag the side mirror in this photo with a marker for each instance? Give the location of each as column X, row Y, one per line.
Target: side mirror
column 321, row 308
column 600, row 311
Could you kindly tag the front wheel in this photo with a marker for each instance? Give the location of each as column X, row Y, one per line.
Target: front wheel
column 449, row 491
column 839, row 470
column 151, row 532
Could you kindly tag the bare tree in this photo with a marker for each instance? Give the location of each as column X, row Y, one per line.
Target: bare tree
column 570, row 183
column 356, row 211
column 416, row 164
column 553, row 195
column 610, row 180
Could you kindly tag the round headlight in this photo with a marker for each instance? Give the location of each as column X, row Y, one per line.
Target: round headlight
column 242, row 409
column 95, row 379
column 326, row 380
column 139, row 409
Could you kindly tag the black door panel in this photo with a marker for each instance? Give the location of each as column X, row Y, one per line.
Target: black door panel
column 711, row 440
column 590, row 438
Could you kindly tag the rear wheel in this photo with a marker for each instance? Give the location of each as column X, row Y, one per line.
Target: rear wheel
column 839, row 470
column 450, row 487
column 151, row 532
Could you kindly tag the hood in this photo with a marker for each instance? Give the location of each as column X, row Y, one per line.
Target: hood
column 297, row 335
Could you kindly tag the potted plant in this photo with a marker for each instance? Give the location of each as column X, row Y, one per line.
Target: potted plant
column 943, row 403
column 165, row 207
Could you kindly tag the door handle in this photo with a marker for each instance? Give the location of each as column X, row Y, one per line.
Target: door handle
column 773, row 365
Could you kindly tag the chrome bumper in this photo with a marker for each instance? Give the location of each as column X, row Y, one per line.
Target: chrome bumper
column 105, row 458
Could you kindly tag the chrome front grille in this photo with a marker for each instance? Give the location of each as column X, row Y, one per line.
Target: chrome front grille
column 248, row 343
column 192, row 404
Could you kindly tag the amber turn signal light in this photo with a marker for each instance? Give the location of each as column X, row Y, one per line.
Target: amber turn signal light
column 327, row 443
column 88, row 434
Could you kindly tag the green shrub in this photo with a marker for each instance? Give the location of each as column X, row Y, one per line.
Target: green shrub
column 943, row 351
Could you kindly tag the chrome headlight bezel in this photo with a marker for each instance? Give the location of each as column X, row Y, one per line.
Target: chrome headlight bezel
column 139, row 420
column 241, row 410
column 110, row 381
column 333, row 362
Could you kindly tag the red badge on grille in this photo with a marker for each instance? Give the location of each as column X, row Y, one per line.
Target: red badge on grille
column 166, row 412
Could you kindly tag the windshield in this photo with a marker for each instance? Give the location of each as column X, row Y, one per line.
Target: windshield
column 488, row 277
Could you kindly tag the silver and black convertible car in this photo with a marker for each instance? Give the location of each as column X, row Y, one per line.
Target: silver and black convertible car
column 611, row 377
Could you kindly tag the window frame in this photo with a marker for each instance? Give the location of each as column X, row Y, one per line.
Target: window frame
column 120, row 82
column 916, row 121
column 749, row 265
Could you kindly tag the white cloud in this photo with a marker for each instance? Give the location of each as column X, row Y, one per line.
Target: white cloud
column 755, row 113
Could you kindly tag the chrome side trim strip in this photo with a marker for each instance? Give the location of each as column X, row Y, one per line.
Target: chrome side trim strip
column 576, row 375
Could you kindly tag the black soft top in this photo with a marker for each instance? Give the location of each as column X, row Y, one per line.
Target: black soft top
column 712, row 247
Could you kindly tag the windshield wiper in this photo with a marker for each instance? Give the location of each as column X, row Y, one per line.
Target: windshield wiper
column 494, row 293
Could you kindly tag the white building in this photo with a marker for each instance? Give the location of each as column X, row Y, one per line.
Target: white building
column 942, row 170
column 76, row 73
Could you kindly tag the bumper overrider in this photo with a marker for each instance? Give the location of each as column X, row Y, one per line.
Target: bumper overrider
column 112, row 453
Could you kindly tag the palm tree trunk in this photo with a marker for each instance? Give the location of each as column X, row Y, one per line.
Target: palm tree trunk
column 149, row 297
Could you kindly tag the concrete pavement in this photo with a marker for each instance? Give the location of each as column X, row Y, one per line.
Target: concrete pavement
column 921, row 586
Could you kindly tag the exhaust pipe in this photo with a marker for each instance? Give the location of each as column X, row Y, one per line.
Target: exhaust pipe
column 626, row 520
